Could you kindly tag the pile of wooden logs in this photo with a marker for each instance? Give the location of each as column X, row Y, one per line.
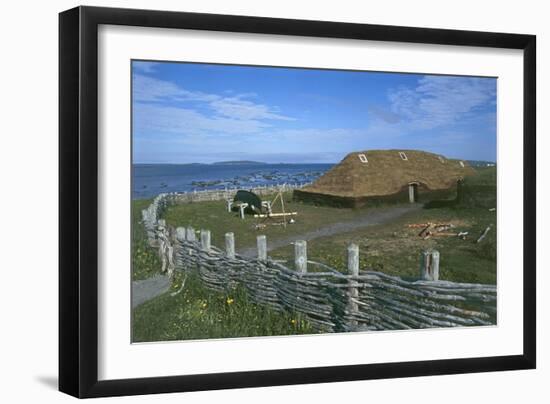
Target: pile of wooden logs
column 430, row 229
column 437, row 230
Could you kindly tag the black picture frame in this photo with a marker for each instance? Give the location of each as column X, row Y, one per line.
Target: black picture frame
column 78, row 196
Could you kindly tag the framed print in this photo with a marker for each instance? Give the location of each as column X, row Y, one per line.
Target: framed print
column 251, row 201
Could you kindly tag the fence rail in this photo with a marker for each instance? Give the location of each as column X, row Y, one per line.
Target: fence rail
column 332, row 301
column 229, row 193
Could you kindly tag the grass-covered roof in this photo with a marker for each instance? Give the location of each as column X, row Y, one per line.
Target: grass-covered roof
column 386, row 172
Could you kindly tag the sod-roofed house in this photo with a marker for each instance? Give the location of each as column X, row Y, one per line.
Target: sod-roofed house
column 368, row 177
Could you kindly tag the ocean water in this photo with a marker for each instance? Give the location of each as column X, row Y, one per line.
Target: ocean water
column 149, row 180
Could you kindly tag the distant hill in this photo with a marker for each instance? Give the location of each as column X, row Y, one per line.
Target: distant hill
column 237, row 163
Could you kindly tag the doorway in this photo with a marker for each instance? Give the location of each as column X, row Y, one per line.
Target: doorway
column 413, row 192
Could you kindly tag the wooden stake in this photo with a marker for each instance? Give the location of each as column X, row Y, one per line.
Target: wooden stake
column 353, row 259
column 180, row 234
column 353, row 270
column 205, row 240
column 262, row 247
column 283, row 206
column 429, row 265
column 484, row 234
column 230, row 245
column 300, row 256
column 190, row 234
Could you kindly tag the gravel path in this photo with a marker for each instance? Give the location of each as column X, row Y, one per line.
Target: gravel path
column 147, row 289
column 371, row 218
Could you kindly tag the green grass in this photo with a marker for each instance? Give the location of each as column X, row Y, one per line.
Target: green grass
column 485, row 176
column 392, row 248
column 395, row 249
column 199, row 313
column 213, row 216
column 480, row 190
column 145, row 261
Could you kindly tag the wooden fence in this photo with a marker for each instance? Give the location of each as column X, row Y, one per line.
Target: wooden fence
column 229, row 193
column 332, row 301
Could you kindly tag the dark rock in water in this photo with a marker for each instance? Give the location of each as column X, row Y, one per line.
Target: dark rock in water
column 204, row 184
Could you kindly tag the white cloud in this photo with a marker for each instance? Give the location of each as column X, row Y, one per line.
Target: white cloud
column 145, row 67
column 149, row 89
column 441, row 100
column 238, row 108
column 164, row 119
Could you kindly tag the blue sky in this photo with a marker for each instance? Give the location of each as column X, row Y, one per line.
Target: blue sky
column 201, row 113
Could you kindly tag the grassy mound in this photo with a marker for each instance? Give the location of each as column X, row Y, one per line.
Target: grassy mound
column 477, row 191
column 480, row 190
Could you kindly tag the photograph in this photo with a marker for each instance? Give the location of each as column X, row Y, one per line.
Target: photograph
column 271, row 201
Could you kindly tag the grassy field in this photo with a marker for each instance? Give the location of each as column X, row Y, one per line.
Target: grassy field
column 214, row 216
column 392, row 248
column 395, row 248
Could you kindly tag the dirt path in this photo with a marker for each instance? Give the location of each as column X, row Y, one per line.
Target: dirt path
column 370, row 218
column 146, row 289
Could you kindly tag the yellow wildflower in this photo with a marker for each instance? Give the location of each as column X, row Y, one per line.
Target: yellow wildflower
column 229, row 300
column 204, row 305
column 293, row 321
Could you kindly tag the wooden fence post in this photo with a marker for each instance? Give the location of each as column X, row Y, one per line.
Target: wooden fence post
column 353, row 270
column 205, row 240
column 180, row 234
column 171, row 264
column 190, row 234
column 300, row 256
column 429, row 265
column 262, row 247
column 162, row 251
column 230, row 245
column 353, row 259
